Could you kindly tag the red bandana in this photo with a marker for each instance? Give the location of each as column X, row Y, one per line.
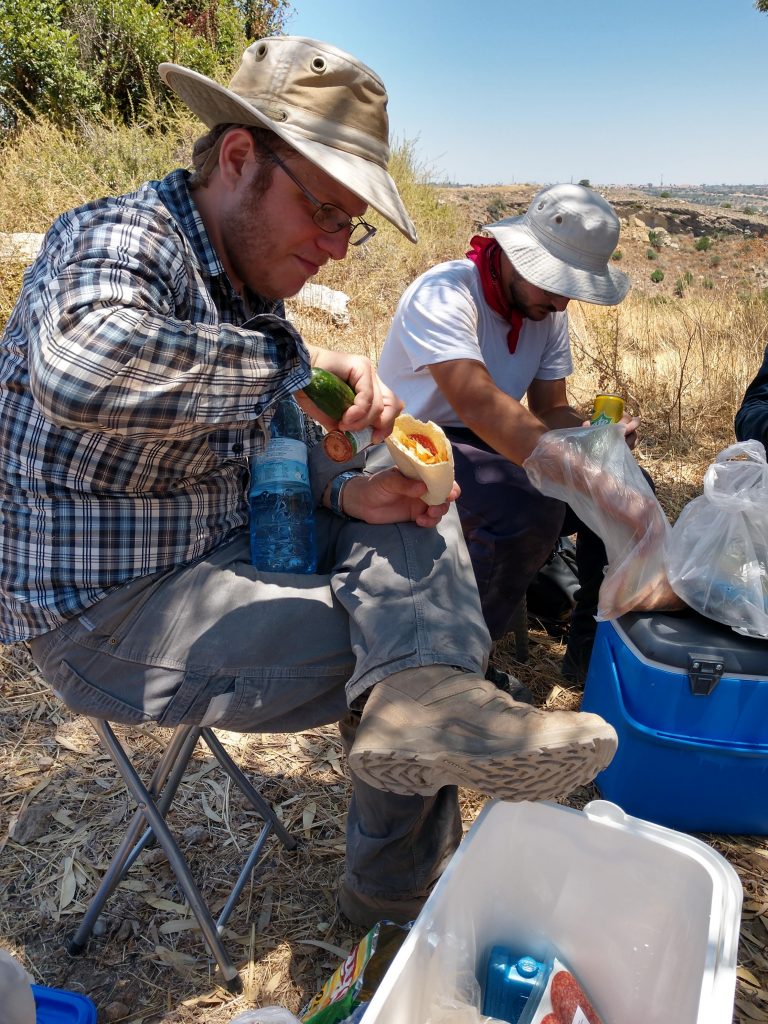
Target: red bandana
column 486, row 255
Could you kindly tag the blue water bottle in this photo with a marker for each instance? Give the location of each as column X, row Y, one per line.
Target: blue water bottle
column 511, row 980
column 282, row 513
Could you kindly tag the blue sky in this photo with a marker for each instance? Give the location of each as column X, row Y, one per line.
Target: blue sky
column 616, row 91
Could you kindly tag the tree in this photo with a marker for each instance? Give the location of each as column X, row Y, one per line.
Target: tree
column 762, row 5
column 69, row 58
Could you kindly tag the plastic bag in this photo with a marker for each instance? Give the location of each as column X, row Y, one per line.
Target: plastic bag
column 592, row 469
column 266, row 1015
column 717, row 552
column 563, row 1000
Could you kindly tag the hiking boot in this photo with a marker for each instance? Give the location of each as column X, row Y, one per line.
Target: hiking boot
column 366, row 911
column 437, row 726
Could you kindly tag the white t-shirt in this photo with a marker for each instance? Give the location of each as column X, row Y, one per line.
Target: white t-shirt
column 442, row 315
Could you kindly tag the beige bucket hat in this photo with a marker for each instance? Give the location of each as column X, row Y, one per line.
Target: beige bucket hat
column 563, row 243
column 322, row 101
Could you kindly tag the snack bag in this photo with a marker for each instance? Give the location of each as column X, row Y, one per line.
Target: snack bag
column 353, row 983
column 563, row 1001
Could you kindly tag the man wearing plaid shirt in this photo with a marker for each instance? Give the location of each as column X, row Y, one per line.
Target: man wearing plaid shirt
column 139, row 371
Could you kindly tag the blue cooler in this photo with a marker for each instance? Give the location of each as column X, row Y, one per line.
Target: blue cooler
column 57, row 1006
column 688, row 698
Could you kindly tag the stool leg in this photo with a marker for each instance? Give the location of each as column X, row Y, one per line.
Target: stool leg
column 243, row 782
column 271, row 822
column 146, row 805
column 520, row 631
column 173, row 762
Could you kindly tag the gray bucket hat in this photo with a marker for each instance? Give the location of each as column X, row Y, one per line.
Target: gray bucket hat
column 322, row 101
column 563, row 243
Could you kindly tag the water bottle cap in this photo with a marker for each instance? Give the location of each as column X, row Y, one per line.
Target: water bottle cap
column 527, row 966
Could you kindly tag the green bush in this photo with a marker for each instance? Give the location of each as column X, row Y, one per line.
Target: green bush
column 665, row 195
column 657, row 276
column 655, row 239
column 679, row 288
column 749, row 210
column 497, row 208
column 707, row 282
column 617, row 255
column 726, row 206
column 688, row 277
column 66, row 59
column 40, row 64
column 715, row 260
column 703, row 243
column 650, row 254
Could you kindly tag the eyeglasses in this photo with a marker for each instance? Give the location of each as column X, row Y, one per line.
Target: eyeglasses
column 328, row 217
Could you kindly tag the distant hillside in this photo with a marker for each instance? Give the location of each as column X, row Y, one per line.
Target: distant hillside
column 692, row 244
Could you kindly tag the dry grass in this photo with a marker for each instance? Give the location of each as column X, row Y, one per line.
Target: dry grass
column 683, row 364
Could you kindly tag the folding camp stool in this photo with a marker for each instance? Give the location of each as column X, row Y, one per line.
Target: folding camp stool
column 152, row 805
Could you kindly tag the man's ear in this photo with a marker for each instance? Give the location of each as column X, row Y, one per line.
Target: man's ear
column 237, row 151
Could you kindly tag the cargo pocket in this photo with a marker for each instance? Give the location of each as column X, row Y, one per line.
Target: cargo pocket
column 86, row 699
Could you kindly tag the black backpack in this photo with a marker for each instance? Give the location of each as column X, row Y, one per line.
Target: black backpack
column 550, row 595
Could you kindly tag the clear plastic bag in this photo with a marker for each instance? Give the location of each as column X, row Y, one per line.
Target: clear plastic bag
column 592, row 469
column 266, row 1015
column 717, row 551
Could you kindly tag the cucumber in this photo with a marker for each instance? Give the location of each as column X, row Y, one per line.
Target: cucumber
column 330, row 393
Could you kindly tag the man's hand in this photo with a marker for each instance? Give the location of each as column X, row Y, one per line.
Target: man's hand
column 375, row 405
column 389, row 497
column 630, row 424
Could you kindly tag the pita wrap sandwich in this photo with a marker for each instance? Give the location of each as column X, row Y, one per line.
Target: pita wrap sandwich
column 422, row 452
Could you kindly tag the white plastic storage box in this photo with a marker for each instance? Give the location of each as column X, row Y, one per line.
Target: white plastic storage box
column 647, row 918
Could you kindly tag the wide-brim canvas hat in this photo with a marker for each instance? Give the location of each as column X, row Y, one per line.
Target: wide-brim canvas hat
column 563, row 243
column 323, row 102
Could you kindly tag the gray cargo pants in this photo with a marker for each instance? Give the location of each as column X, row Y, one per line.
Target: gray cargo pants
column 217, row 643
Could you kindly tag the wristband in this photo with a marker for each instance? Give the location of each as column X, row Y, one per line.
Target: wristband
column 336, row 492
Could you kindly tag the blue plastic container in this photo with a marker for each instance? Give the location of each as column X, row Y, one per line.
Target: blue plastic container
column 56, row 1006
column 688, row 698
column 510, row 981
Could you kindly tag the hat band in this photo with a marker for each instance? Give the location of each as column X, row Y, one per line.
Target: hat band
column 290, row 118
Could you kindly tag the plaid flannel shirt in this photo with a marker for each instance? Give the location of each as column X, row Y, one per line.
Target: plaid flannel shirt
column 134, row 384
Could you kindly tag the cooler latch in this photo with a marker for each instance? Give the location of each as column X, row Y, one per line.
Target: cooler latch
column 703, row 675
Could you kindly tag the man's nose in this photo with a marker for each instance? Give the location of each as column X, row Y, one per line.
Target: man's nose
column 560, row 302
column 335, row 244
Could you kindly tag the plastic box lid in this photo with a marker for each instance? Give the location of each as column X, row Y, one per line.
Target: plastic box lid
column 57, row 1006
column 668, row 638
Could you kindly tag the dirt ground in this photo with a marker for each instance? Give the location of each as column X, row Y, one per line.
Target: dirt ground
column 64, row 812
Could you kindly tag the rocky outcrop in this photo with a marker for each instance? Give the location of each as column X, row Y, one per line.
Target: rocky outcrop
column 677, row 217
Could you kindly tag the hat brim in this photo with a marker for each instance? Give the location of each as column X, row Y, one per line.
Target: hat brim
column 215, row 104
column 540, row 268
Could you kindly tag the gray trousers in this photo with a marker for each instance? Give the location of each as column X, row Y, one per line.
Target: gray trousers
column 216, row 642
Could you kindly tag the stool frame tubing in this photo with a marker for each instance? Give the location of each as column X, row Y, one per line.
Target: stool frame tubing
column 152, row 805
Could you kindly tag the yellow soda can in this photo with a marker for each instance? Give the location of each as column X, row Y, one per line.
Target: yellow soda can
column 607, row 409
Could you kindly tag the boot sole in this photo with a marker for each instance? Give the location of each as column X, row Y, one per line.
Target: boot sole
column 542, row 773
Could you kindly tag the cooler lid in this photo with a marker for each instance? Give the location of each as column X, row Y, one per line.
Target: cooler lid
column 671, row 638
